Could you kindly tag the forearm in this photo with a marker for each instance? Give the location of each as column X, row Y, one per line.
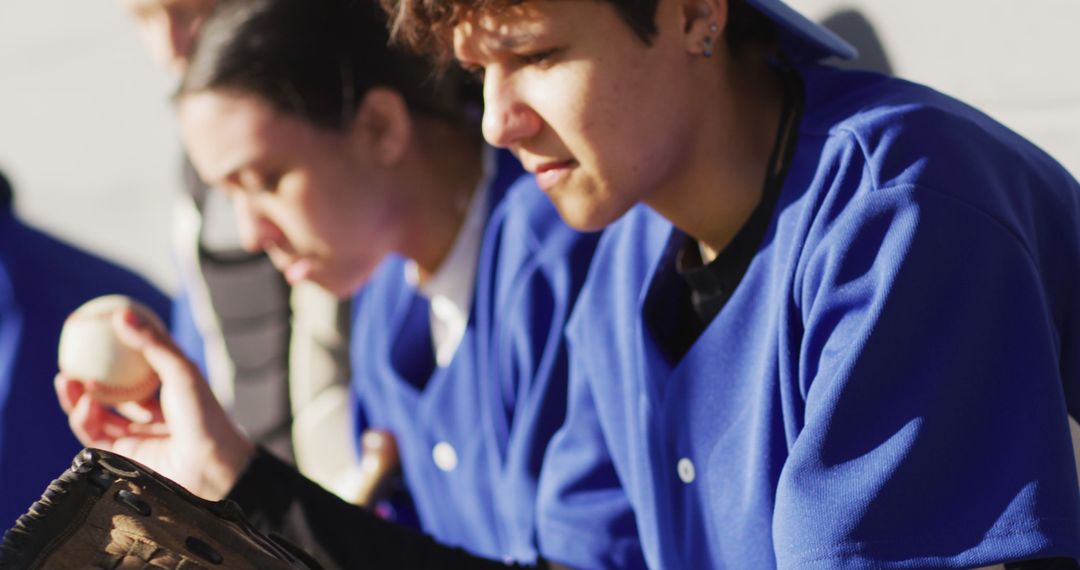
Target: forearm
column 340, row 535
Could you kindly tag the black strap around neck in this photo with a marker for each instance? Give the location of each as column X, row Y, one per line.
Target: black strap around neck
column 705, row 288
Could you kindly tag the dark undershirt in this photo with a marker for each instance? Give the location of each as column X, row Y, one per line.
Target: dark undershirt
column 279, row 500
column 700, row 289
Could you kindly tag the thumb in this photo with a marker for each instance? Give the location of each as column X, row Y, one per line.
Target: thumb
column 68, row 391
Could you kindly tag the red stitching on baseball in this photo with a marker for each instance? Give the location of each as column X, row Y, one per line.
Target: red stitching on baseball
column 121, row 393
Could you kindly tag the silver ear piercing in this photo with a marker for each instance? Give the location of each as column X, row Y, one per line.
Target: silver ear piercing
column 707, row 52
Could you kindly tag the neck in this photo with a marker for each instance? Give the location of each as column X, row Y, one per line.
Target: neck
column 721, row 183
column 443, row 173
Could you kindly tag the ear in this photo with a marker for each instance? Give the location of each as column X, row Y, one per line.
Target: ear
column 703, row 24
column 383, row 125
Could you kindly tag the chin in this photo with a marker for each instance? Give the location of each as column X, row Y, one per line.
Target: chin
column 341, row 293
column 334, row 287
column 343, row 290
column 585, row 215
column 344, row 286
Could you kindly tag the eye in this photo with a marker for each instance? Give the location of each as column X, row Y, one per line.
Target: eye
column 542, row 58
column 267, row 186
column 256, row 183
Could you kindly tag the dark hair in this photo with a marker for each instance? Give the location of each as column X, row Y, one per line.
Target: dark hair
column 315, row 59
column 746, row 26
column 6, row 194
column 426, row 25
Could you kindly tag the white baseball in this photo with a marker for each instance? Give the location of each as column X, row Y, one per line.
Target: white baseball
column 90, row 351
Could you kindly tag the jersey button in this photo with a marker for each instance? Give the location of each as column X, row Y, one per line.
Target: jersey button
column 687, row 473
column 445, row 456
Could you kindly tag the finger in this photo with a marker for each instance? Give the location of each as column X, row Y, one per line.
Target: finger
column 86, row 421
column 150, row 409
column 153, row 429
column 68, row 391
column 134, row 412
column 156, row 346
column 379, row 466
column 116, row 429
column 102, row 425
column 136, row 331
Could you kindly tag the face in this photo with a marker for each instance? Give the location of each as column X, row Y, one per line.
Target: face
column 167, row 28
column 307, row 196
column 585, row 104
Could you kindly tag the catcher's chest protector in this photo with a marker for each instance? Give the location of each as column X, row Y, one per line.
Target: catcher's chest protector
column 108, row 512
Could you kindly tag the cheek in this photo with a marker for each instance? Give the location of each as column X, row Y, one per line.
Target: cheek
column 299, row 211
column 610, row 112
column 640, row 137
column 346, row 224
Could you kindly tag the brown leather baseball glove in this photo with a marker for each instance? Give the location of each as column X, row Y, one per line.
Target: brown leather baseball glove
column 110, row 512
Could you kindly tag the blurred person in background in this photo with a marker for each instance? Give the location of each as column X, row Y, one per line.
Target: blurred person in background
column 354, row 165
column 276, row 355
column 42, row 280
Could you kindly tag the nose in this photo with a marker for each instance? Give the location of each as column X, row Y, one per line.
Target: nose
column 508, row 119
column 172, row 34
column 255, row 230
column 180, row 34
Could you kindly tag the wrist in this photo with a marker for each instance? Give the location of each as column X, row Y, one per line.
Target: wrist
column 227, row 463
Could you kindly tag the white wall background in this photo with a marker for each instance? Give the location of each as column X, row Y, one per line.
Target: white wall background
column 86, row 132
column 1018, row 61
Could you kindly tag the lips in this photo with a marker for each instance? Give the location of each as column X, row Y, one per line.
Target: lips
column 549, row 174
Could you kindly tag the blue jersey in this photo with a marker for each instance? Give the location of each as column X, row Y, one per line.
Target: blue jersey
column 888, row 385
column 43, row 280
column 472, row 435
column 185, row 331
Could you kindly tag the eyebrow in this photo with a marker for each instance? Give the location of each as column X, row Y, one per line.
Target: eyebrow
column 231, row 172
column 511, row 41
column 499, row 38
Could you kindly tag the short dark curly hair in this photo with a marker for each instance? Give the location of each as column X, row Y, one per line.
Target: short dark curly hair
column 426, row 25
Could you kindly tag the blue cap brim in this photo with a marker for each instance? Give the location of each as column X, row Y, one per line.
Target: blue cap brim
column 800, row 38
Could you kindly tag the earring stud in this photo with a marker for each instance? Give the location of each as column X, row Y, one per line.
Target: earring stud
column 707, row 51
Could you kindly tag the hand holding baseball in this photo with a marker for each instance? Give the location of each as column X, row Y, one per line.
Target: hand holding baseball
column 90, row 351
column 188, row 438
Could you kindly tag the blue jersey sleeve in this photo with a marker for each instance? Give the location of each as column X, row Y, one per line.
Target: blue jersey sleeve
column 42, row 280
column 935, row 432
column 186, row 333
column 584, row 516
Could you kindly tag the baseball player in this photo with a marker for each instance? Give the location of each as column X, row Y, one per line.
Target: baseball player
column 833, row 320
column 244, row 325
column 352, row 167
